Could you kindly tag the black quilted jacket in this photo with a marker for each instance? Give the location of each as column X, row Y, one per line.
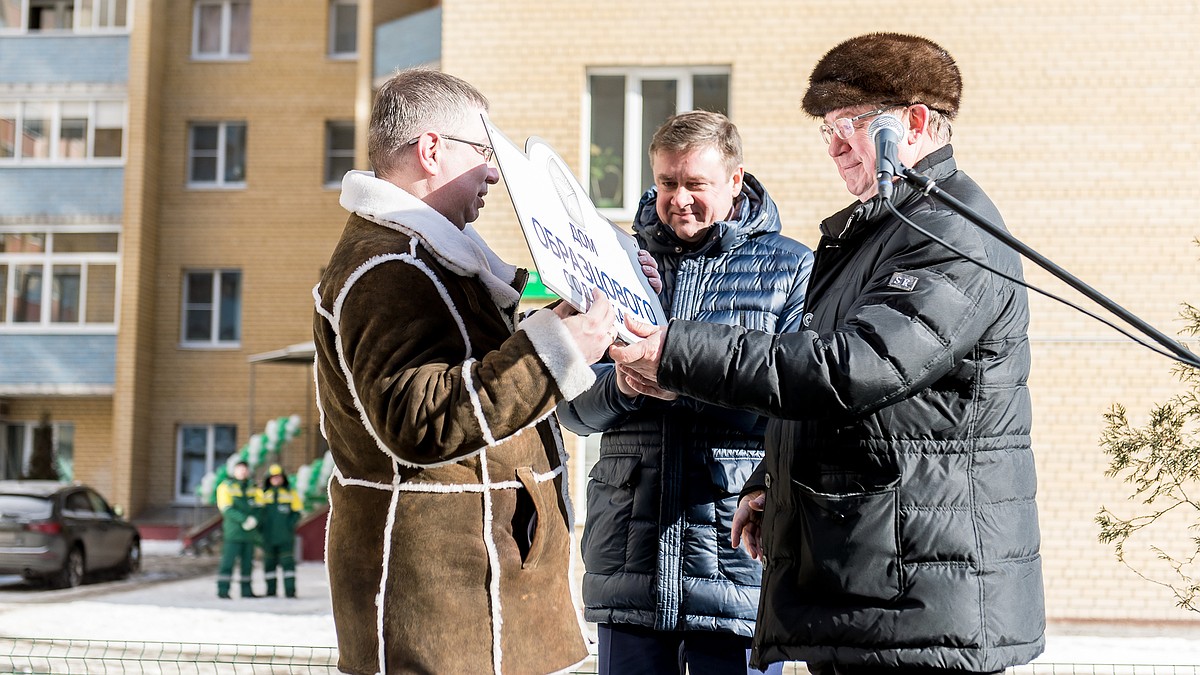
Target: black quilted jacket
column 900, row 526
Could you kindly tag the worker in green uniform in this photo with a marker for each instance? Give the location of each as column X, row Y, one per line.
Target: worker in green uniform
column 238, row 503
column 280, row 508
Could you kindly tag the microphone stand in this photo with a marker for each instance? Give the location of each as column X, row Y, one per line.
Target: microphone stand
column 929, row 187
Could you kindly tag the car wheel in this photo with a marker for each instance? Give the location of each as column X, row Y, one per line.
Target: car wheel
column 71, row 574
column 133, row 560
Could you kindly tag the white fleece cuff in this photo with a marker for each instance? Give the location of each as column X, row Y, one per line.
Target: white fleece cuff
column 559, row 352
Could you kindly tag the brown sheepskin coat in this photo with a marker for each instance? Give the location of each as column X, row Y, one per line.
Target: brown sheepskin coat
column 449, row 533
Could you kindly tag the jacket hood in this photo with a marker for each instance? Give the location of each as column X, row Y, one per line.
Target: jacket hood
column 860, row 216
column 756, row 214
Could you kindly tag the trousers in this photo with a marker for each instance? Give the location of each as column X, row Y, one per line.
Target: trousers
column 283, row 557
column 635, row 650
column 232, row 552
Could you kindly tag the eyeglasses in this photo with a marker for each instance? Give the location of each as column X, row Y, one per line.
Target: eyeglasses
column 843, row 127
column 482, row 148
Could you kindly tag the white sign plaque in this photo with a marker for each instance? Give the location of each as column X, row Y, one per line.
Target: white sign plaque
column 574, row 247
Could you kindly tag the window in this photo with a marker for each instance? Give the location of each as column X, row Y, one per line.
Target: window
column 81, row 16
column 35, row 131
column 51, row 15
column 339, row 151
column 99, row 505
column 212, row 308
column 16, row 449
column 221, row 30
column 343, row 28
column 217, row 155
column 64, row 277
column 625, row 108
column 10, row 16
column 62, row 132
column 78, row 505
column 108, row 135
column 101, row 14
column 201, row 448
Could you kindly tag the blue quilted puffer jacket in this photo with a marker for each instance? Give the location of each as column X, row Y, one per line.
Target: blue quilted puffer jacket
column 662, row 495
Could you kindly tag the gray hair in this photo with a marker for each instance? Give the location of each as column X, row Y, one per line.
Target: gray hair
column 700, row 129
column 939, row 126
column 412, row 102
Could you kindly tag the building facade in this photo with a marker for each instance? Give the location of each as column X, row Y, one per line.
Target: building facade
column 169, row 178
column 63, row 145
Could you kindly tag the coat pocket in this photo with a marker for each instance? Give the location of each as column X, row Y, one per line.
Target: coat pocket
column 527, row 516
column 615, row 470
column 850, row 542
column 730, row 468
column 610, row 498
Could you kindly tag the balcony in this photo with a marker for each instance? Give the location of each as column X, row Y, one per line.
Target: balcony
column 65, row 59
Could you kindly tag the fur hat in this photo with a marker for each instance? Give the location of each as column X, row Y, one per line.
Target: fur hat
column 887, row 68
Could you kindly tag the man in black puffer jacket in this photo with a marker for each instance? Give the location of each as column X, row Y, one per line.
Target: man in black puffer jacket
column 895, row 509
column 661, row 580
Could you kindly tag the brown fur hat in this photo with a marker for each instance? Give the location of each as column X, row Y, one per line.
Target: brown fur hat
column 887, row 68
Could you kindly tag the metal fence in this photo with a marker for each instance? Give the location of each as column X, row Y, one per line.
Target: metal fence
column 55, row 657
column 1103, row 669
column 47, row 656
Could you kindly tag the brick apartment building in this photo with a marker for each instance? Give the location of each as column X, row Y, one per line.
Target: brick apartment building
column 169, row 181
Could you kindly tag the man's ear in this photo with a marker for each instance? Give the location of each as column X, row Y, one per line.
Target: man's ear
column 739, row 175
column 918, row 121
column 429, row 145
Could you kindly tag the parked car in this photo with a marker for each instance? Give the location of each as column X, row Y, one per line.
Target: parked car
column 60, row 533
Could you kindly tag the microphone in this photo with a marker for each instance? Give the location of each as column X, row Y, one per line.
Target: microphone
column 886, row 131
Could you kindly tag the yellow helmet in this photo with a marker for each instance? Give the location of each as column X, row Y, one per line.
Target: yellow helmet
column 275, row 470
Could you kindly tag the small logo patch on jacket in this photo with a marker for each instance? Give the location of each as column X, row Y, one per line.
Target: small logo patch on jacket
column 902, row 282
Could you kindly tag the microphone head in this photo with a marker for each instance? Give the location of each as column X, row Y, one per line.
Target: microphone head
column 885, row 123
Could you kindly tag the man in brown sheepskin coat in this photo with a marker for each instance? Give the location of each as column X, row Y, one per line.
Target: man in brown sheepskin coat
column 449, row 540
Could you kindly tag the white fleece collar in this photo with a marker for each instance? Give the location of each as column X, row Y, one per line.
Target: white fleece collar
column 463, row 252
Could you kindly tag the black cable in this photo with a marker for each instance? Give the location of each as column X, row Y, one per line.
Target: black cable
column 1035, row 289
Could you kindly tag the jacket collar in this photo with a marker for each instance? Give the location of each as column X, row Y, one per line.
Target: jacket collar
column 463, row 252
column 755, row 213
column 861, row 216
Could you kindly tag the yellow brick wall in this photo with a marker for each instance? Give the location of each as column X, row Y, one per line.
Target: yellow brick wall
column 92, row 419
column 1076, row 117
column 134, row 357
column 278, row 231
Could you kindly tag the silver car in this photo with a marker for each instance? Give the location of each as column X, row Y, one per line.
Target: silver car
column 60, row 533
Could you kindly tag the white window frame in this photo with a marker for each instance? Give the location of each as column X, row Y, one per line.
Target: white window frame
column 47, row 261
column 219, row 181
column 333, row 30
column 331, row 153
column 54, row 134
column 77, row 19
column 635, row 184
column 214, row 341
column 108, row 8
column 210, row 464
column 226, row 28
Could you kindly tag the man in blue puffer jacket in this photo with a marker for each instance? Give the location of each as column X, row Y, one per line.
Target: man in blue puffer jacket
column 661, row 579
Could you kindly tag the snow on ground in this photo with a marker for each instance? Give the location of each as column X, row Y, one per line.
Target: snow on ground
column 1110, row 650
column 188, row 610
column 184, row 611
